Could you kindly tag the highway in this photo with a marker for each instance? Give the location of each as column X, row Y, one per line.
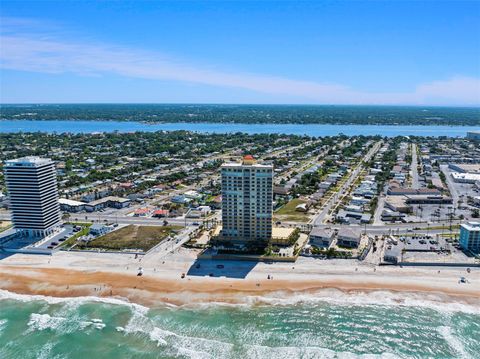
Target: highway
column 371, row 229
column 122, row 219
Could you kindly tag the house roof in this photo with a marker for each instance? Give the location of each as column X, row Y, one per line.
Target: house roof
column 348, row 233
column 142, row 210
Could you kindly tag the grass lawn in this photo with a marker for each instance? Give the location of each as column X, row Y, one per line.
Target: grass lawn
column 132, row 237
column 4, row 225
column 289, row 213
column 73, row 239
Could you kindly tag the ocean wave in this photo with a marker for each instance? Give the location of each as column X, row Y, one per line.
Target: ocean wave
column 438, row 302
column 201, row 348
column 39, row 322
column 195, row 347
column 258, row 351
column 44, row 321
column 3, row 324
column 454, row 342
column 72, row 301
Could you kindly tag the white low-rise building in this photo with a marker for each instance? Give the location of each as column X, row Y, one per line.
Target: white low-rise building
column 69, row 205
column 465, row 177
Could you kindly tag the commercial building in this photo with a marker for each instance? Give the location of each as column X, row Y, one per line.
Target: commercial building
column 69, row 205
column 198, row 212
column 247, row 196
column 464, row 167
column 397, row 204
column 400, row 191
column 32, row 188
column 110, row 201
column 428, row 200
column 344, row 216
column 465, row 177
column 470, row 236
column 473, row 135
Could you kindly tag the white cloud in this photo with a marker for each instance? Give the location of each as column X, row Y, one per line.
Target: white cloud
column 37, row 52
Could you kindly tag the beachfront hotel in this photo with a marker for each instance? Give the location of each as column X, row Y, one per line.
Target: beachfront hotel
column 247, row 194
column 32, row 188
column 470, row 236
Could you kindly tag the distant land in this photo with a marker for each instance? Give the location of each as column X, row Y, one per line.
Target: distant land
column 266, row 114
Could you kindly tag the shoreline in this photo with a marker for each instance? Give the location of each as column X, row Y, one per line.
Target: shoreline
column 77, row 274
column 150, row 291
column 247, row 123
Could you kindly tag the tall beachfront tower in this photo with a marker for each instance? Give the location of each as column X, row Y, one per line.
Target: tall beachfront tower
column 247, row 194
column 32, row 188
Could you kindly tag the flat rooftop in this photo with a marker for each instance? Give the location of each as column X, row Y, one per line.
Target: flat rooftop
column 467, row 167
column 28, row 161
column 472, row 226
column 277, row 232
column 466, row 176
column 70, row 202
column 239, row 164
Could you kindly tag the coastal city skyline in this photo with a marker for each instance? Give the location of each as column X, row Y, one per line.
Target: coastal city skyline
column 401, row 53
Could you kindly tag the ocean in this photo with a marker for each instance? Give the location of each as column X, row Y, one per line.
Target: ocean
column 61, row 126
column 328, row 325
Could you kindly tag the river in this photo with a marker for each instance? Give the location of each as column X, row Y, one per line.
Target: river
column 317, row 130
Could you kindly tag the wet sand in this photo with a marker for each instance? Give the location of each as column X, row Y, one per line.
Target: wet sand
column 104, row 275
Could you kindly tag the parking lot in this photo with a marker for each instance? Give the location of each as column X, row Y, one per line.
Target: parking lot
column 54, row 241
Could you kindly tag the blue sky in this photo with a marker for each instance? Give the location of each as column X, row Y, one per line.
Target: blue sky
column 325, row 52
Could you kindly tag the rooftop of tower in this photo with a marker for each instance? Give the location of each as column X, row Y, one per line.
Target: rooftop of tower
column 28, row 161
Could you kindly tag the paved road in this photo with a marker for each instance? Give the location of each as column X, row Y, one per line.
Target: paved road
column 169, row 246
column 451, row 185
column 377, row 217
column 334, row 198
column 94, row 217
column 414, row 168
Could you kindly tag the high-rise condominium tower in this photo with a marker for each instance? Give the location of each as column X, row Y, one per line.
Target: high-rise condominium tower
column 32, row 188
column 247, row 192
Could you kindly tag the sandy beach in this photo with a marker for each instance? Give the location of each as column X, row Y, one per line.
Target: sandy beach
column 74, row 274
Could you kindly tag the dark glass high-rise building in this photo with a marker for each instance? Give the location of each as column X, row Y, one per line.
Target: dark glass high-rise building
column 32, row 189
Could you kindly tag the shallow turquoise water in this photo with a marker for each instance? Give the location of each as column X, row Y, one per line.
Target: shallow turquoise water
column 81, row 328
column 293, row 129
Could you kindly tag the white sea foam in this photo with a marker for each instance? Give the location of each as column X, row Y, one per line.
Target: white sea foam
column 72, row 301
column 438, row 302
column 61, row 324
column 201, row 348
column 258, row 351
column 45, row 351
column 44, row 321
column 3, row 324
column 99, row 326
column 453, row 341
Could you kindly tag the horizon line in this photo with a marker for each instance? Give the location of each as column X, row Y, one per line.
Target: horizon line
column 237, row 104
